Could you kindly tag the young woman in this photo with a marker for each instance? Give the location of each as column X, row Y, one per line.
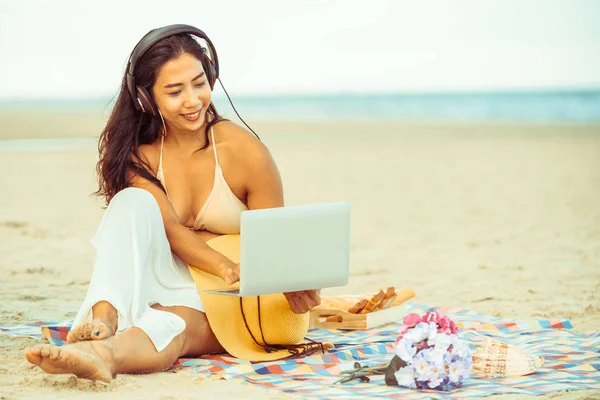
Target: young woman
column 174, row 175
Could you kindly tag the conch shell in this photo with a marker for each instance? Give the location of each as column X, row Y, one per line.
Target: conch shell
column 494, row 359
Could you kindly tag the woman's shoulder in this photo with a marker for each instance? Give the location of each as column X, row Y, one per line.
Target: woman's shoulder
column 228, row 130
column 233, row 138
column 240, row 147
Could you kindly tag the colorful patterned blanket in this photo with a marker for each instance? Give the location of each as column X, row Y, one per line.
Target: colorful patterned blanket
column 572, row 359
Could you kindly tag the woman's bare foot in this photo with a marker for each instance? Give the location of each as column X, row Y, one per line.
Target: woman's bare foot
column 88, row 360
column 103, row 326
column 90, row 330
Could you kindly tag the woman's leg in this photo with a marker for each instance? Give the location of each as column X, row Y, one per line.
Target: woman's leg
column 114, row 276
column 134, row 267
column 129, row 352
column 102, row 360
column 199, row 338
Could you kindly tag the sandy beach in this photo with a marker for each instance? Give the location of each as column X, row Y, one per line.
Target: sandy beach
column 503, row 219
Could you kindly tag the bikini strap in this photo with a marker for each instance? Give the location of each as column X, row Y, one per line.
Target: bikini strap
column 162, row 144
column 212, row 137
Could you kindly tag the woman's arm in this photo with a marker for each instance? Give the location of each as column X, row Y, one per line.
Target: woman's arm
column 188, row 246
column 264, row 187
column 265, row 190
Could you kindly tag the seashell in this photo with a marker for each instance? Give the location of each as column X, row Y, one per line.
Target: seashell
column 494, row 359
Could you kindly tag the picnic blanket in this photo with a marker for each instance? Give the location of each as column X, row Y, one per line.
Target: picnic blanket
column 572, row 359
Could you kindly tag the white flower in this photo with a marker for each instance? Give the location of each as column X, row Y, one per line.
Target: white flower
column 434, row 383
column 421, row 331
column 432, row 333
column 435, row 356
column 454, row 372
column 405, row 350
column 442, row 342
column 421, row 367
column 425, row 369
column 405, row 377
column 436, row 376
column 418, row 333
column 459, row 347
column 443, row 359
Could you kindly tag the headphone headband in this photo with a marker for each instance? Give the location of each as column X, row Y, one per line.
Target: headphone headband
column 152, row 38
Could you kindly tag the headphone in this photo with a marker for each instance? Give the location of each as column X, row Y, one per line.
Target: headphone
column 142, row 100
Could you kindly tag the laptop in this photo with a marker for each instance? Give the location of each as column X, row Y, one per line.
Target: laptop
column 293, row 248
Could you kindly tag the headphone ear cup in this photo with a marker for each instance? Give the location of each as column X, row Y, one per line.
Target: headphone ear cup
column 211, row 73
column 145, row 101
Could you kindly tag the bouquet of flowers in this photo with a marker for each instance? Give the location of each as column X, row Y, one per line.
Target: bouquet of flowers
column 434, row 355
column 428, row 355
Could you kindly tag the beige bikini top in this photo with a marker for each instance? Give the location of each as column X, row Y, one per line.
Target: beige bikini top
column 222, row 208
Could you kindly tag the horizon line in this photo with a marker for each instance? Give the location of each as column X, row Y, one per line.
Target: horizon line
column 308, row 95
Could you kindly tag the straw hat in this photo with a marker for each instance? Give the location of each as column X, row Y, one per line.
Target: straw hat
column 235, row 320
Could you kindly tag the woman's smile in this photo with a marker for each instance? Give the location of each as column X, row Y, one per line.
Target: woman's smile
column 193, row 116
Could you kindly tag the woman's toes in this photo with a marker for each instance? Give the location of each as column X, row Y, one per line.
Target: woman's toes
column 90, row 330
column 54, row 353
column 74, row 334
column 36, row 350
column 84, row 360
column 45, row 351
column 33, row 355
column 87, row 331
column 101, row 330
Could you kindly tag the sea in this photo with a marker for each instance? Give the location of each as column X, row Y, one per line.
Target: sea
column 577, row 106
column 581, row 107
column 524, row 107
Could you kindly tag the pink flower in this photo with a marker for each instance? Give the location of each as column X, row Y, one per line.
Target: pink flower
column 442, row 319
column 429, row 317
column 445, row 330
column 453, row 327
column 411, row 320
column 443, row 322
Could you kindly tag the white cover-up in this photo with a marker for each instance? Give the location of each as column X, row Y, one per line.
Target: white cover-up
column 135, row 269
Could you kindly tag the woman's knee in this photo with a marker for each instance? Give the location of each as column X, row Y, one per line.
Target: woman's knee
column 131, row 208
column 179, row 343
column 133, row 202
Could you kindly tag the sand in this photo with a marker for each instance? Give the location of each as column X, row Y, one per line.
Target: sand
column 502, row 219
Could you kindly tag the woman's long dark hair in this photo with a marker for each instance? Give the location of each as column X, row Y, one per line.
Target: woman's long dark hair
column 127, row 129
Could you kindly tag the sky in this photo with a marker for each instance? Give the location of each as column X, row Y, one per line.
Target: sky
column 78, row 49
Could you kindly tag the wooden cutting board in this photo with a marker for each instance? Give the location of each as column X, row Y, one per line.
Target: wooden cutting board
column 338, row 319
column 333, row 314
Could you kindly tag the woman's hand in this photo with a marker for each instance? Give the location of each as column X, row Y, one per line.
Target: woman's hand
column 231, row 273
column 303, row 300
